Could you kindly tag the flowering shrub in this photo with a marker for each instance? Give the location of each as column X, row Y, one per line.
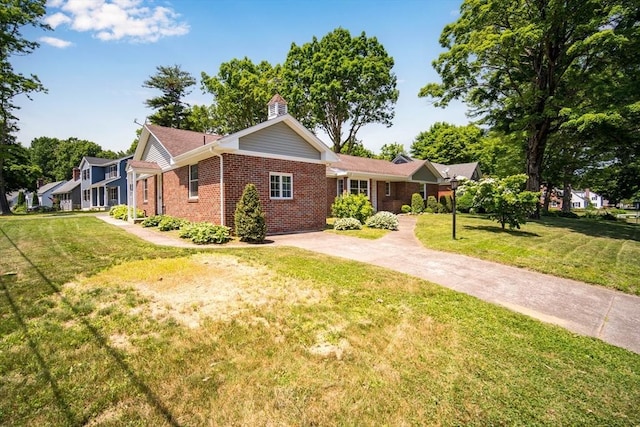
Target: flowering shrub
column 347, row 224
column 385, row 220
column 355, row 206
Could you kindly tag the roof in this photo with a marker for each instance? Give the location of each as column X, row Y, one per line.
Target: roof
column 97, row 161
column 104, row 182
column 379, row 167
column 277, row 98
column 67, row 187
column 142, row 164
column 50, row 186
column 459, row 170
column 179, row 141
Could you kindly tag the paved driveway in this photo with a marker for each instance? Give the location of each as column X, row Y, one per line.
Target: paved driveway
column 589, row 310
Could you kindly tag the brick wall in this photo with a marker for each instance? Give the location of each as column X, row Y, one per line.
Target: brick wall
column 332, row 192
column 305, row 212
column 149, row 207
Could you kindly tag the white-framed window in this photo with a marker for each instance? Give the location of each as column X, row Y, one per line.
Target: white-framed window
column 193, row 181
column 575, row 204
column 86, row 174
column 113, row 171
column 387, row 188
column 145, row 191
column 280, row 185
column 340, row 189
column 359, row 186
column 86, row 195
column 112, row 194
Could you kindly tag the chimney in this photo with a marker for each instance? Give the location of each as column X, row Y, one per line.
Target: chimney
column 276, row 107
column 40, row 182
column 76, row 173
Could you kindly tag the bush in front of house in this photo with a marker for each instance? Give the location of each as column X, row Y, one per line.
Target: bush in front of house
column 355, row 206
column 384, row 220
column 445, row 204
column 22, row 200
column 203, row 233
column 152, row 221
column 417, row 203
column 347, row 224
column 432, row 204
column 405, row 209
column 120, row 212
column 168, row 223
column 35, row 202
column 249, row 217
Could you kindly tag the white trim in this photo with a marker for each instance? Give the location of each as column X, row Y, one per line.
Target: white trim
column 191, row 197
column 387, row 188
column 145, row 191
column 280, row 189
column 359, row 188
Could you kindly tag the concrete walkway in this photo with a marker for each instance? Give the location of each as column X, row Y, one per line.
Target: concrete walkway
column 589, row 310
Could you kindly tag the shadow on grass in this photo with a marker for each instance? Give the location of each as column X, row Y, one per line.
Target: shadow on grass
column 496, row 230
column 594, row 228
column 153, row 400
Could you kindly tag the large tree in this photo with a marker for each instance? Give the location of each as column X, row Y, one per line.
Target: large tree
column 447, row 143
column 18, row 170
column 14, row 16
column 43, row 152
column 340, row 83
column 174, row 83
column 518, row 64
column 241, row 91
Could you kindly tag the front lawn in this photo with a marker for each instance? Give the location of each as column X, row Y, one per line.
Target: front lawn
column 365, row 233
column 100, row 328
column 600, row 252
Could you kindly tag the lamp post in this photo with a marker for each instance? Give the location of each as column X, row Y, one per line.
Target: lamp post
column 454, row 187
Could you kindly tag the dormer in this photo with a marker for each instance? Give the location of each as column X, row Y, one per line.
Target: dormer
column 276, row 107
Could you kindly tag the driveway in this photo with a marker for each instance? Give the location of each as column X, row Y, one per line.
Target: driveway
column 589, row 310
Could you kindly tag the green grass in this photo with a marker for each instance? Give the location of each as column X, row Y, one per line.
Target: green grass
column 80, row 343
column 601, row 252
column 364, row 233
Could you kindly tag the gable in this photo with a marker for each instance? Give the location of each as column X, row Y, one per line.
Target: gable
column 278, row 139
column 423, row 174
column 154, row 152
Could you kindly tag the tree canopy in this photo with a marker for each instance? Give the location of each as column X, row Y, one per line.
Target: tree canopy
column 530, row 66
column 448, row 144
column 340, row 83
column 174, row 83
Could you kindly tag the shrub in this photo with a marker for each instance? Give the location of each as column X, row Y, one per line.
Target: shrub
column 432, row 203
column 440, row 208
column 203, row 233
column 347, row 224
column 34, row 199
column 249, row 218
column 168, row 223
column 417, row 203
column 120, row 212
column 22, row 200
column 445, row 202
column 355, row 206
column 505, row 199
column 20, row 209
column 428, row 210
column 562, row 214
column 405, row 209
column 152, row 221
column 385, row 220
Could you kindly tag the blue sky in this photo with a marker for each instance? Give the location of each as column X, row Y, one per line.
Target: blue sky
column 101, row 51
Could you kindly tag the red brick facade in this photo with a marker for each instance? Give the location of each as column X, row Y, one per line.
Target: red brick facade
column 305, row 212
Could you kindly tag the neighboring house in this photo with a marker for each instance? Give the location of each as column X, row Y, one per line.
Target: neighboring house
column 70, row 193
column 580, row 199
column 388, row 185
column 201, row 177
column 461, row 170
column 45, row 193
column 103, row 182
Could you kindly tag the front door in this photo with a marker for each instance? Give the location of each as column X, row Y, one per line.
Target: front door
column 159, row 209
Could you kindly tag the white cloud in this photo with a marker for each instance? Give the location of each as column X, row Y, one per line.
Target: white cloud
column 55, row 42
column 118, row 19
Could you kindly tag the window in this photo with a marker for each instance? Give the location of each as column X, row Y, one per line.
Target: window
column 112, row 194
column 281, row 185
column 145, row 191
column 387, row 188
column 575, row 204
column 359, row 186
column 113, row 171
column 193, row 181
column 340, row 191
column 85, row 174
column 86, row 195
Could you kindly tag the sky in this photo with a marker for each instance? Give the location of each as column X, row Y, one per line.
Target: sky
column 95, row 60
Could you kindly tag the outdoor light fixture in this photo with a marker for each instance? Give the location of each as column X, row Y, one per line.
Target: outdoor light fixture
column 454, row 186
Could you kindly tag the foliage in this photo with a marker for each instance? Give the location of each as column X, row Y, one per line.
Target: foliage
column 14, row 16
column 464, row 198
column 391, row 151
column 340, row 83
column 347, row 224
column 241, row 91
column 445, row 204
column 358, row 149
column 121, row 212
column 448, row 144
column 505, row 199
column 174, row 83
column 20, row 209
column 152, row 221
column 249, row 217
column 405, row 209
column 432, row 203
column 384, row 220
column 417, row 203
column 203, row 233
column 18, row 171
column 532, row 67
column 21, row 199
column 168, row 223
column 35, row 201
column 355, row 206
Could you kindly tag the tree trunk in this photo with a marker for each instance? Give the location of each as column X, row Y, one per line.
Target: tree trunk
column 547, row 198
column 566, row 197
column 4, row 204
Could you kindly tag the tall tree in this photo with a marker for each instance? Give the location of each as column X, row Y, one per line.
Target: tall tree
column 519, row 63
column 447, row 143
column 174, row 83
column 339, row 84
column 70, row 152
column 43, row 152
column 241, row 91
column 391, row 151
column 19, row 172
column 14, row 15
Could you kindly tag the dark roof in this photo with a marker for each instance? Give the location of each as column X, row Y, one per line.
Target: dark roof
column 67, row 187
column 49, row 186
column 98, row 161
column 179, row 141
column 376, row 166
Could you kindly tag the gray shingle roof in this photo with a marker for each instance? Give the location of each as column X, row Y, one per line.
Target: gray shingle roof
column 179, row 141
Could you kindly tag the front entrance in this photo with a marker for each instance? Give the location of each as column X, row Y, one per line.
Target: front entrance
column 159, row 207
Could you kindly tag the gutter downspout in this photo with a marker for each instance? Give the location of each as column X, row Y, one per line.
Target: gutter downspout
column 222, row 221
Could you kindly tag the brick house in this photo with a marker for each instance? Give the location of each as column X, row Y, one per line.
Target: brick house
column 201, row 177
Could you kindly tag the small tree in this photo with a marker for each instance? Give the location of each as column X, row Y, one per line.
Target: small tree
column 355, row 206
column 35, row 202
column 417, row 204
column 21, row 199
column 249, row 218
column 432, row 204
column 505, row 199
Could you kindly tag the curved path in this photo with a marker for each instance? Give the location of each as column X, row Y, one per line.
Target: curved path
column 589, row 310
